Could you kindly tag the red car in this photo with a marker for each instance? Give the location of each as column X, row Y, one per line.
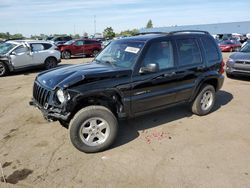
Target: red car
column 229, row 46
column 80, row 47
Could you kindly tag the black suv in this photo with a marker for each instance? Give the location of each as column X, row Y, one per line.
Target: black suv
column 130, row 77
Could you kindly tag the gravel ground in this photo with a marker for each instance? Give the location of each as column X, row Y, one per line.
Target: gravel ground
column 170, row 148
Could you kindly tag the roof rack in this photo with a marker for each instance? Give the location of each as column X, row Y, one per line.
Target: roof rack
column 146, row 33
column 187, row 31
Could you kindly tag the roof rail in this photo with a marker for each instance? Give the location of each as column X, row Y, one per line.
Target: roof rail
column 187, row 31
column 145, row 33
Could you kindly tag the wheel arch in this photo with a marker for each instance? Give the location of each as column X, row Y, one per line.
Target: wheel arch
column 209, row 81
column 109, row 99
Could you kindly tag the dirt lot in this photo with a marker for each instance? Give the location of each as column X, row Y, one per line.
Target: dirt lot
column 171, row 148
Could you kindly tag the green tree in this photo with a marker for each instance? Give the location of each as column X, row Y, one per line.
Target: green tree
column 128, row 33
column 149, row 24
column 109, row 33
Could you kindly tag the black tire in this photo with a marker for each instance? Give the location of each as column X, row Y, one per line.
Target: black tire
column 66, row 54
column 3, row 69
column 229, row 75
column 50, row 63
column 198, row 107
column 87, row 114
column 95, row 52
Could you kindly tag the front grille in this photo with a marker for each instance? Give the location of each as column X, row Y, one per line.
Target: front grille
column 243, row 62
column 40, row 94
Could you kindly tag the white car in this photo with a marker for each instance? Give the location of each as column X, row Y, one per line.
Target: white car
column 24, row 54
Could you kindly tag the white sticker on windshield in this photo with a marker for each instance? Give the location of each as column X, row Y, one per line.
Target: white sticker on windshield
column 132, row 50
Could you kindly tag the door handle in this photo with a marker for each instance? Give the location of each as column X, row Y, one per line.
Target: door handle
column 169, row 74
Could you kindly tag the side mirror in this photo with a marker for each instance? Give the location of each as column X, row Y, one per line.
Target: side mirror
column 13, row 53
column 149, row 68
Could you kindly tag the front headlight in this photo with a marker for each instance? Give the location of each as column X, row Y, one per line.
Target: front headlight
column 62, row 96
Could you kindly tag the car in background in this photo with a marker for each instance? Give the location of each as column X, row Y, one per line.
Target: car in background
column 229, row 45
column 80, row 47
column 20, row 55
column 61, row 39
column 106, row 43
column 239, row 62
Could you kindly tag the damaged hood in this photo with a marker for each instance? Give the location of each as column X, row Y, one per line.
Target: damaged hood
column 67, row 76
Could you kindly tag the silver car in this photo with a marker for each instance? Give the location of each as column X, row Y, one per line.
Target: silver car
column 24, row 54
column 239, row 62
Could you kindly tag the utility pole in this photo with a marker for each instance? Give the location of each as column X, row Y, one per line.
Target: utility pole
column 94, row 24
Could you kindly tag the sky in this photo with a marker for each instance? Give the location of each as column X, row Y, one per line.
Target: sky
column 77, row 16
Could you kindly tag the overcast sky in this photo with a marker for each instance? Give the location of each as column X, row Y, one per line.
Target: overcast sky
column 77, row 16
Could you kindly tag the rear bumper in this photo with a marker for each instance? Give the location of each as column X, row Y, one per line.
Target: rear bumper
column 220, row 82
column 50, row 113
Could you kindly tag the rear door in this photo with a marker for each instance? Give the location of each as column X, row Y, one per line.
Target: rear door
column 39, row 53
column 155, row 90
column 191, row 65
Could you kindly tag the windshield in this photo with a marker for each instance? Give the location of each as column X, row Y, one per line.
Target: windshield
column 120, row 53
column 69, row 42
column 6, row 47
column 245, row 48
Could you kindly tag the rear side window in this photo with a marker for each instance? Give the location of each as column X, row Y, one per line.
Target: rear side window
column 47, row 46
column 37, row 47
column 189, row 52
column 210, row 49
column 79, row 43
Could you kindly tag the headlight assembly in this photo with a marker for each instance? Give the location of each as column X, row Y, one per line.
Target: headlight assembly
column 62, row 96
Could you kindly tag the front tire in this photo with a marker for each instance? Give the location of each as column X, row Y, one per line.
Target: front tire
column 93, row 129
column 3, row 69
column 66, row 55
column 204, row 101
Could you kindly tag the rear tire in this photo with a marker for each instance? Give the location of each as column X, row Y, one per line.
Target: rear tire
column 95, row 53
column 93, row 129
column 50, row 63
column 3, row 69
column 204, row 101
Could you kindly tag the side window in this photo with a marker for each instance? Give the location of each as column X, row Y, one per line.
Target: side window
column 210, row 49
column 37, row 47
column 160, row 53
column 79, row 43
column 47, row 46
column 21, row 49
column 88, row 42
column 189, row 52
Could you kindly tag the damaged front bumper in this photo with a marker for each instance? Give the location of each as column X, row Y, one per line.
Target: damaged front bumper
column 50, row 113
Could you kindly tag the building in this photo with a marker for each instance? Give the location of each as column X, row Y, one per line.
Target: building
column 218, row 28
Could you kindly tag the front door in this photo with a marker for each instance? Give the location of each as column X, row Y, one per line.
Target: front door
column 156, row 89
column 21, row 57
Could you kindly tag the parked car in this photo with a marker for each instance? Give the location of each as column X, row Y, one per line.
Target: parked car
column 229, row 45
column 239, row 62
column 80, row 47
column 59, row 40
column 20, row 55
column 131, row 77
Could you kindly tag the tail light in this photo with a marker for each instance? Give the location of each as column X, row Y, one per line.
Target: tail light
column 221, row 71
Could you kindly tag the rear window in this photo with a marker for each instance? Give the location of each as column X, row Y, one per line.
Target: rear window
column 189, row 52
column 210, row 49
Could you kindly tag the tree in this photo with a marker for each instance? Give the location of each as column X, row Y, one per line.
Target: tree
column 149, row 24
column 128, row 33
column 109, row 33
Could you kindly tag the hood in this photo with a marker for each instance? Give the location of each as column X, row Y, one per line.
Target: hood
column 66, row 76
column 240, row 56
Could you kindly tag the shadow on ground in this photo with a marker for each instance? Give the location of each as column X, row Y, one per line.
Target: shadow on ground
column 129, row 129
column 32, row 71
